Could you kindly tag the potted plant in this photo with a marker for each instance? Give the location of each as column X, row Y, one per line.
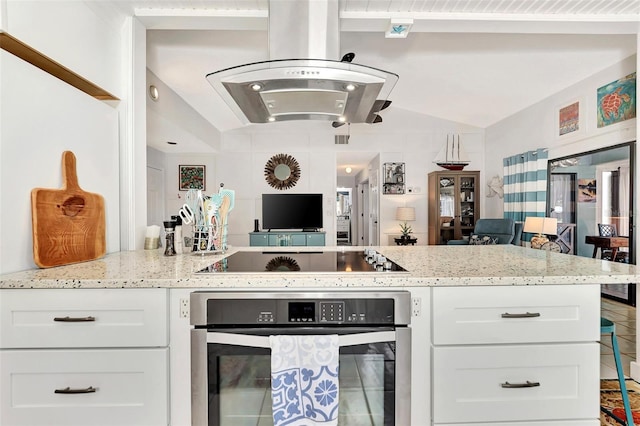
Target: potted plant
column 406, row 231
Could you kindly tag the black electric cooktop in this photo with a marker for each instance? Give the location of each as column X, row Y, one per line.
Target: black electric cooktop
column 306, row 261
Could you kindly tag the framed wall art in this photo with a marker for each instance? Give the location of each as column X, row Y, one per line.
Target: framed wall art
column 569, row 118
column 617, row 101
column 586, row 190
column 191, row 177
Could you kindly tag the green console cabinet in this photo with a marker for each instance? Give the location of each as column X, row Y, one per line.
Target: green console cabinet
column 286, row 238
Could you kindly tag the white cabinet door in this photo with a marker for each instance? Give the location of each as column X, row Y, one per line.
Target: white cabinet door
column 516, row 382
column 517, row 314
column 39, row 318
column 84, row 387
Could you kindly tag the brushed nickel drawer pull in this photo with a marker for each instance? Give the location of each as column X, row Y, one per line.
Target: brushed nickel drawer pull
column 74, row 319
column 525, row 315
column 70, row 391
column 528, row 384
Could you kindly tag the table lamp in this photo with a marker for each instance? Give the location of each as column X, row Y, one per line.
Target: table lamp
column 541, row 226
column 405, row 214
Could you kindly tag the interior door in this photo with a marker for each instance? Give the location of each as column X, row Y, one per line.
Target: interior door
column 155, row 196
column 373, row 208
column 562, row 197
column 363, row 219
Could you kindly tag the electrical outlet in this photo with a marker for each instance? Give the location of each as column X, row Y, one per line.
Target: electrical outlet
column 184, row 308
column 416, row 306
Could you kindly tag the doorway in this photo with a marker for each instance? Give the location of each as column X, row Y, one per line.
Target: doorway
column 344, row 214
column 596, row 188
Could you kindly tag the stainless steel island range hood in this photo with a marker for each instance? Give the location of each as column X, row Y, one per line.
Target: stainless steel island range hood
column 303, row 80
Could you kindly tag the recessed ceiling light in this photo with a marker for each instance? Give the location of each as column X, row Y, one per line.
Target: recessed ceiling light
column 342, row 119
column 348, row 170
column 271, row 119
column 350, row 87
column 153, row 92
column 256, row 87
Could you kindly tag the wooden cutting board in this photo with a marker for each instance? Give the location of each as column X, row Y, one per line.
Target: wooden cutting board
column 68, row 223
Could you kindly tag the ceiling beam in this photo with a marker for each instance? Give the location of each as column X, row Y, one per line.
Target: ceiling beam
column 430, row 22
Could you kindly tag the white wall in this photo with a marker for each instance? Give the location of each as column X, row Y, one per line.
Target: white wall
column 537, row 127
column 403, row 136
column 71, row 33
column 170, row 118
column 42, row 116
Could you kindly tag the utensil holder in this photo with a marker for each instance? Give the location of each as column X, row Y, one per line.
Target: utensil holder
column 203, row 243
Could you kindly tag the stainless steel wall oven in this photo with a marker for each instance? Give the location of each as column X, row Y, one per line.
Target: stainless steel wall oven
column 230, row 352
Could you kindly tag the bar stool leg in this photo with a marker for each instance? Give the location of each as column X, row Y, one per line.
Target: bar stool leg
column 616, row 355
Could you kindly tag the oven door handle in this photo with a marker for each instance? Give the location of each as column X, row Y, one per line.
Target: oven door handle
column 263, row 341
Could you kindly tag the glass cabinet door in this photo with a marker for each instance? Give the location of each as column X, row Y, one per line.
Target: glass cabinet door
column 447, row 197
column 467, row 205
column 454, row 205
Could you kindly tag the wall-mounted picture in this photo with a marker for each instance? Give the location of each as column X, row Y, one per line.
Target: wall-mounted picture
column 586, row 190
column 617, row 101
column 569, row 119
column 191, row 177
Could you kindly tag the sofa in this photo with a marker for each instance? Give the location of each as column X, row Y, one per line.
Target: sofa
column 493, row 231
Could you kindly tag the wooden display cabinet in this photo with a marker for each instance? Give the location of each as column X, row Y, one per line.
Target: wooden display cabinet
column 454, row 205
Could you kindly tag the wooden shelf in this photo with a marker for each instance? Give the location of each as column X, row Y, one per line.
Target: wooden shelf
column 48, row 65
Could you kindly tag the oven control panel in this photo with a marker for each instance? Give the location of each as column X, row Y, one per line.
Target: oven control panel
column 272, row 312
column 317, row 311
column 302, row 312
column 331, row 311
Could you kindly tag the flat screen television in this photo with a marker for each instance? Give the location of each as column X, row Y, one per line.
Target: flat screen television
column 292, row 211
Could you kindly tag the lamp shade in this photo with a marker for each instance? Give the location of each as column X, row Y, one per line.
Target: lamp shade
column 541, row 225
column 405, row 213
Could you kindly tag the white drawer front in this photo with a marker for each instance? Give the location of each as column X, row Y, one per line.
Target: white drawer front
column 519, row 314
column 96, row 318
column 468, row 383
column 130, row 387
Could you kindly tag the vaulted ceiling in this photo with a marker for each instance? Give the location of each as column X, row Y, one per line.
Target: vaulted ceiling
column 469, row 61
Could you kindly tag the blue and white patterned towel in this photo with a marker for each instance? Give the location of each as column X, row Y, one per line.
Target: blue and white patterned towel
column 304, row 380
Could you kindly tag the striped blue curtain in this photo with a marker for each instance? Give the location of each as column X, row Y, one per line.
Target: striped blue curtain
column 525, row 185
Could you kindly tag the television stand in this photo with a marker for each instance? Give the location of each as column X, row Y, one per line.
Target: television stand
column 286, row 238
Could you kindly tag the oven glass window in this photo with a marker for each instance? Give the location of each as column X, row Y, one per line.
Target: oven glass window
column 240, row 385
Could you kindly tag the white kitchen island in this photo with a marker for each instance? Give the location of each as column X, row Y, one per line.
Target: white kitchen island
column 468, row 332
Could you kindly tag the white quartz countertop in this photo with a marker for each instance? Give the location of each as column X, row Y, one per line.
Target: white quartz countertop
column 427, row 266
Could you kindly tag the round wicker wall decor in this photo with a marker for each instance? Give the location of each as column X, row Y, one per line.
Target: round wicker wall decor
column 282, row 171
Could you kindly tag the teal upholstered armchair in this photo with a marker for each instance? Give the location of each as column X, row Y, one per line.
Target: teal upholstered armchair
column 498, row 231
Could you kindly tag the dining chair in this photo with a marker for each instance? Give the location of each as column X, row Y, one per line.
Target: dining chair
column 611, row 230
column 607, row 230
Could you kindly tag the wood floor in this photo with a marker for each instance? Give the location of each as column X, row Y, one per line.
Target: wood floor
column 624, row 317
